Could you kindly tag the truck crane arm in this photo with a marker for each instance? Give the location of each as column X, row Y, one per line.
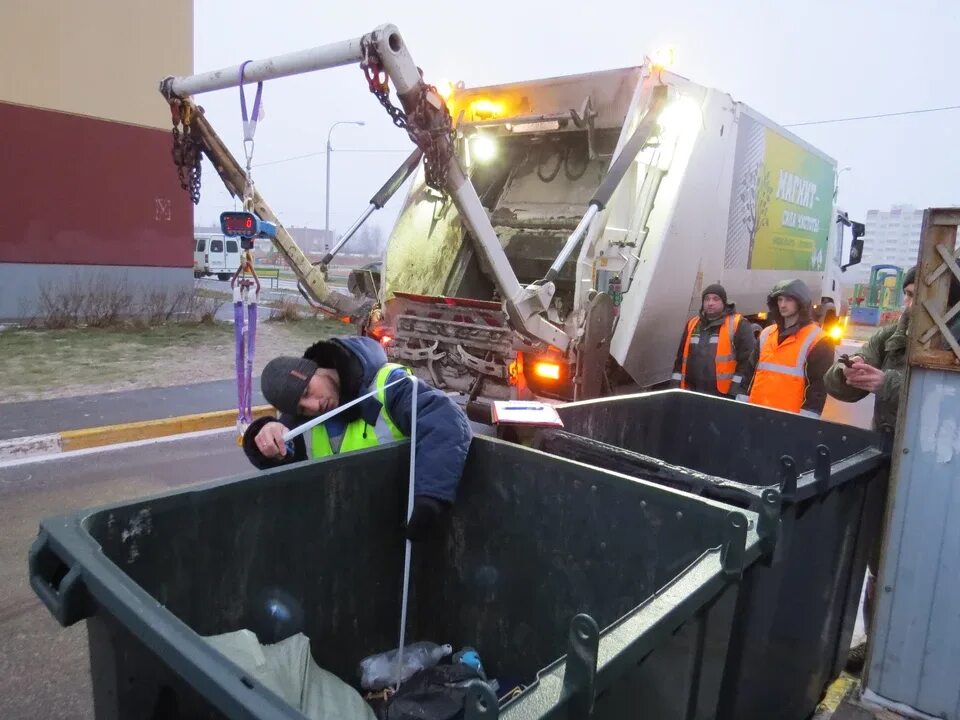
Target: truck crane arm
column 384, row 57
column 232, row 174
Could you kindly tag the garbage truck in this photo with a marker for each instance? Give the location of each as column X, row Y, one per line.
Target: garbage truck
column 556, row 233
column 715, row 192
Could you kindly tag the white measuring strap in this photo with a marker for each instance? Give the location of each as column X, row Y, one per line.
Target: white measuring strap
column 408, row 546
column 310, row 424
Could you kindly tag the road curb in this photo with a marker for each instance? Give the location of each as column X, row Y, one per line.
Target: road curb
column 70, row 440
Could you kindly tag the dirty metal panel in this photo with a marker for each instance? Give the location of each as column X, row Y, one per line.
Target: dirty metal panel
column 916, row 650
column 424, row 244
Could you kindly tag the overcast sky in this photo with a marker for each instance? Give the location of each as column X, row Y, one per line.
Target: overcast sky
column 792, row 61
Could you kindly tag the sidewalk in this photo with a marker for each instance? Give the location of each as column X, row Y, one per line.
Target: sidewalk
column 46, row 427
column 23, row 419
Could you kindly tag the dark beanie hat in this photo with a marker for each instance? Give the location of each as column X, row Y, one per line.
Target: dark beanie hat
column 911, row 277
column 715, row 289
column 334, row 355
column 283, row 381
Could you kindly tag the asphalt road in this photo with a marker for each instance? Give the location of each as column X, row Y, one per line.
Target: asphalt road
column 44, row 669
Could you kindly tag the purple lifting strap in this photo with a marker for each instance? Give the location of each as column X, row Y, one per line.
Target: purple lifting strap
column 251, row 344
column 238, row 356
column 243, row 357
column 243, row 99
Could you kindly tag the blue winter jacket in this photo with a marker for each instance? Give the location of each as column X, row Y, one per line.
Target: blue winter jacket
column 443, row 431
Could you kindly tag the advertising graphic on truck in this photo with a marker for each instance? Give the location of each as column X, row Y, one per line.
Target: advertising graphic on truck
column 781, row 202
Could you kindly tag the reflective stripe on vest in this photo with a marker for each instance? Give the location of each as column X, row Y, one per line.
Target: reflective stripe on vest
column 725, row 360
column 358, row 435
column 781, row 377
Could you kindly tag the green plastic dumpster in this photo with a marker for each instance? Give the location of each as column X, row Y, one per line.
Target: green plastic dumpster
column 797, row 609
column 596, row 591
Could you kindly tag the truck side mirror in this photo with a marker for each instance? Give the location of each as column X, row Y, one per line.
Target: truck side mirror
column 856, row 245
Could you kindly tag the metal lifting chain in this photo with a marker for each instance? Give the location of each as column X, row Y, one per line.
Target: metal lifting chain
column 187, row 150
column 429, row 126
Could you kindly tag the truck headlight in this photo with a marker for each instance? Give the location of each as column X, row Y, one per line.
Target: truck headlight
column 483, row 148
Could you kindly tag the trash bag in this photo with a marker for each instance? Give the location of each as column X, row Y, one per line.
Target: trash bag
column 288, row 670
column 437, row 693
column 380, row 671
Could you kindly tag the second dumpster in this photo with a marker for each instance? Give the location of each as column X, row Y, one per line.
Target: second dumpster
column 797, row 611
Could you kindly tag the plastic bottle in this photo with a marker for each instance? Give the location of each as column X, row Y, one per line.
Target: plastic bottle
column 381, row 671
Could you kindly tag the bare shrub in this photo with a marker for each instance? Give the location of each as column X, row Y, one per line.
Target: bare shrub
column 106, row 301
column 102, row 301
column 199, row 305
column 58, row 306
column 156, row 306
column 98, row 301
column 207, row 309
column 285, row 309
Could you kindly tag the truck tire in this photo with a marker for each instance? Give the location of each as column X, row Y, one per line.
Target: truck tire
column 223, row 276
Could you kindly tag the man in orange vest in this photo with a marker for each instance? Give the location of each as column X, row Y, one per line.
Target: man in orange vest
column 716, row 348
column 794, row 354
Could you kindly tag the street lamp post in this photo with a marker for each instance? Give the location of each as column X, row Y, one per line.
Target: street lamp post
column 836, row 187
column 326, row 222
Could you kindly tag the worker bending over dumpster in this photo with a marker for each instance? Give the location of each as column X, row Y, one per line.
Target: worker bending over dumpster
column 716, row 349
column 793, row 354
column 333, row 372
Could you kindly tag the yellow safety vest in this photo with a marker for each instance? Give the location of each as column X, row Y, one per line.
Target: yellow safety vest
column 358, row 435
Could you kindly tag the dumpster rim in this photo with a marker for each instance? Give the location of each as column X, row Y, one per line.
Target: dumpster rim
column 842, row 469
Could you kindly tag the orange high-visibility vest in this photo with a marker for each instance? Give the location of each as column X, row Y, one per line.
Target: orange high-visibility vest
column 726, row 361
column 780, row 380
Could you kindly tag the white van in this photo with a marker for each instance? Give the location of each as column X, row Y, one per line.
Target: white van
column 215, row 255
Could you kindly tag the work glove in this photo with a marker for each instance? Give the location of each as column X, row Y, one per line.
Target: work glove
column 735, row 391
column 426, row 516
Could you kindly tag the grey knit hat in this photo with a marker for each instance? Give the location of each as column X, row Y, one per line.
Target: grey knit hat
column 715, row 289
column 283, row 381
column 910, row 278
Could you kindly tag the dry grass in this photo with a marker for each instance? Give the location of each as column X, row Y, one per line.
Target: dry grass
column 41, row 364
